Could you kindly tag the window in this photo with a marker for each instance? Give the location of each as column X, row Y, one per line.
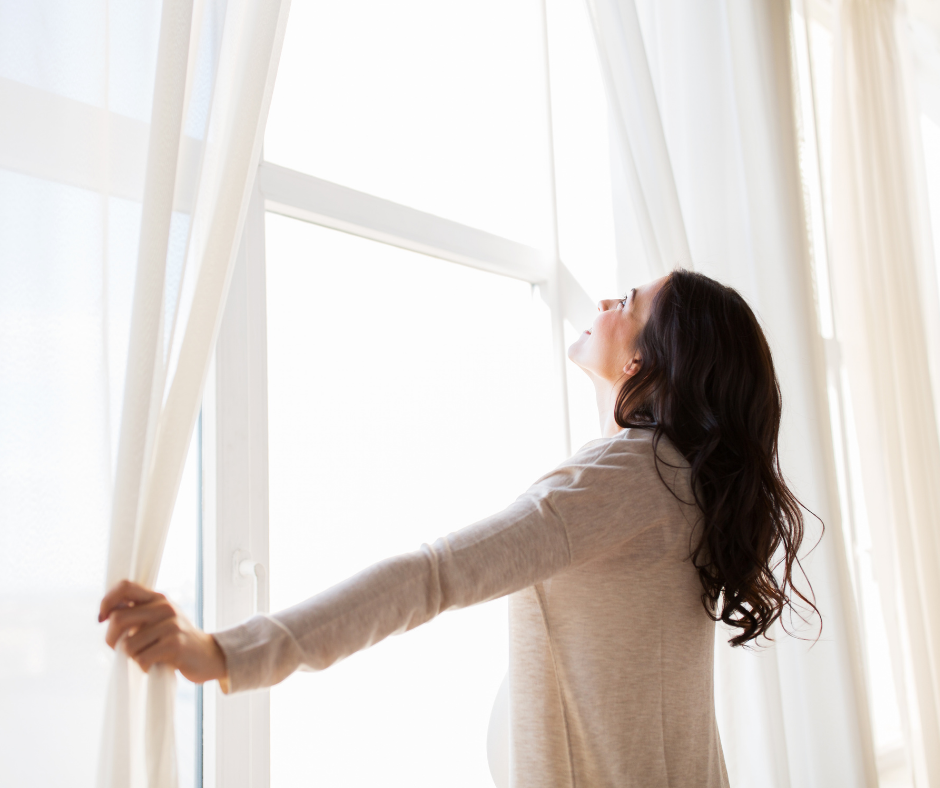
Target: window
column 391, row 365
column 440, row 107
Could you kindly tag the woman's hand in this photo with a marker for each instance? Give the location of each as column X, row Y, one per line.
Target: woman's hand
column 157, row 632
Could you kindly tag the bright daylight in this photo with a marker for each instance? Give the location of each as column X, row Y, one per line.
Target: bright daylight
column 510, row 393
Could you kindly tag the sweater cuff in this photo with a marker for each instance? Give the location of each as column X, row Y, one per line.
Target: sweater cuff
column 258, row 653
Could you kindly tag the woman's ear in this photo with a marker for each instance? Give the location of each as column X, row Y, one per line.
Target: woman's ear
column 633, row 367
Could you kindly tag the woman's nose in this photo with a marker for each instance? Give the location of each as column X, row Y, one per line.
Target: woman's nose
column 603, row 306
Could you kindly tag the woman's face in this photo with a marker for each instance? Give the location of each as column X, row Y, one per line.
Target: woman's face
column 608, row 348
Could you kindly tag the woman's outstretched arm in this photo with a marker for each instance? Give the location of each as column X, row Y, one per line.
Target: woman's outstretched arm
column 509, row 551
column 585, row 507
column 521, row 545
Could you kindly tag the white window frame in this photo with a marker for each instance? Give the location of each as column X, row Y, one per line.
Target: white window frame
column 237, row 729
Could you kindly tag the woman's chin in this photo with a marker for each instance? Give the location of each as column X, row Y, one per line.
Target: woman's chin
column 576, row 359
column 576, row 350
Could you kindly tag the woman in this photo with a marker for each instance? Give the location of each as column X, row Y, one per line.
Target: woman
column 619, row 561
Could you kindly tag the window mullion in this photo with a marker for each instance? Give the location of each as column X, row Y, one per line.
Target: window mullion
column 237, row 727
column 311, row 199
column 555, row 297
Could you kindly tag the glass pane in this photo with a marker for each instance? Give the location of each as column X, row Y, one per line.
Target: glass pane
column 586, row 218
column 408, row 397
column 439, row 106
column 582, row 154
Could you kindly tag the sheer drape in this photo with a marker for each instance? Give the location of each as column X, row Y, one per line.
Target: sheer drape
column 883, row 298
column 76, row 88
column 165, row 374
column 790, row 715
column 638, row 133
column 143, row 122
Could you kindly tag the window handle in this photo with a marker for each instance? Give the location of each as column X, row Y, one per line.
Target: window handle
column 244, row 566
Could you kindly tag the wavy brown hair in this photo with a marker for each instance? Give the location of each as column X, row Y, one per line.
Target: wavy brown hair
column 707, row 383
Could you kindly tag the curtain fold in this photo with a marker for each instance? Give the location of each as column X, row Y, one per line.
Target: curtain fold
column 878, row 265
column 635, row 119
column 173, row 331
column 143, row 394
column 721, row 82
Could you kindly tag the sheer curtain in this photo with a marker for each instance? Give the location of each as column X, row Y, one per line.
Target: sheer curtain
column 130, row 132
column 171, row 339
column 638, row 133
column 720, row 74
column 885, row 292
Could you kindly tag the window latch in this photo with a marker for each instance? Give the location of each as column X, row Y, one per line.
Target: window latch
column 245, row 567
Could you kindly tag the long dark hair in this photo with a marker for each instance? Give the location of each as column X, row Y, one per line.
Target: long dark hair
column 707, row 383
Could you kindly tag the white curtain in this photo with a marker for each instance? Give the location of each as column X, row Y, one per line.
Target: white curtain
column 129, row 131
column 637, row 131
column 171, row 339
column 720, row 73
column 884, row 293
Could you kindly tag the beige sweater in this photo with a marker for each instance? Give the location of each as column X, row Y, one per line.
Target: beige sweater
column 610, row 648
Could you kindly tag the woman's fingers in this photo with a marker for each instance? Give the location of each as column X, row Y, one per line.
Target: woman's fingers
column 145, row 637
column 180, row 645
column 124, row 594
column 139, row 617
column 164, row 648
column 155, row 631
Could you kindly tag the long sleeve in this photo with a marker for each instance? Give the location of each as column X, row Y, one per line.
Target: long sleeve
column 583, row 508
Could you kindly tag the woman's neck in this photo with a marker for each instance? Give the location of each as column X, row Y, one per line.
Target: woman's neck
column 605, row 393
